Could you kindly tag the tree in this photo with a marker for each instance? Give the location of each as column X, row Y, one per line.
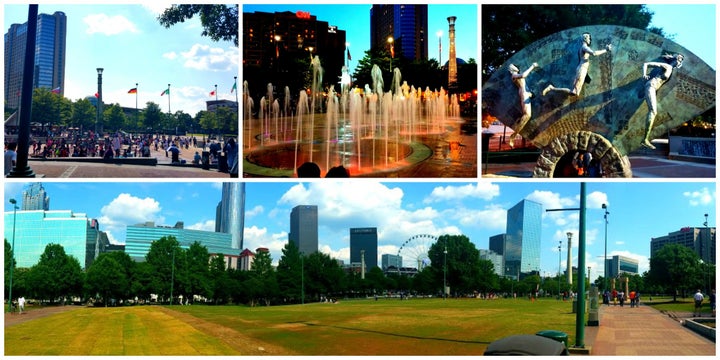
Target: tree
column 290, row 273
column 508, row 29
column 114, row 117
column 262, row 282
column 674, row 267
column 9, row 263
column 107, row 278
column 152, row 116
column 83, row 114
column 197, row 270
column 161, row 259
column 219, row 22
column 56, row 274
column 220, row 280
column 463, row 263
column 45, row 107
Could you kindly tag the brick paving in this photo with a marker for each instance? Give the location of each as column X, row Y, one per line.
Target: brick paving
column 643, row 331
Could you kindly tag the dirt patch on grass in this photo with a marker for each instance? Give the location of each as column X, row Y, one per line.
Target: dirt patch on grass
column 33, row 313
column 238, row 341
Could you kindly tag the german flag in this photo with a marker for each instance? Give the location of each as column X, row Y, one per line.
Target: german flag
column 132, row 91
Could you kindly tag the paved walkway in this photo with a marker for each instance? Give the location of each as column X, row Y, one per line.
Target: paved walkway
column 643, row 331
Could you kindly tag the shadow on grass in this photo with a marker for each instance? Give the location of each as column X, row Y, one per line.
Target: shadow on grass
column 395, row 335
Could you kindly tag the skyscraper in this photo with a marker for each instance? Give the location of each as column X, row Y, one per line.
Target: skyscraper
column 230, row 212
column 49, row 71
column 304, row 228
column 522, row 243
column 35, row 198
column 363, row 242
column 406, row 24
column 701, row 240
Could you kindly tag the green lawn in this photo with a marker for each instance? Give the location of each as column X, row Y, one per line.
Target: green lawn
column 359, row 327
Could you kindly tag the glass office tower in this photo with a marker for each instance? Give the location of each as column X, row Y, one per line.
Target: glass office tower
column 230, row 212
column 523, row 235
column 304, row 228
column 363, row 240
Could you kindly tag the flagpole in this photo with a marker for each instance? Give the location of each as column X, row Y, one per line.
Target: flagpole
column 169, row 112
column 236, row 92
column 216, row 92
column 137, row 116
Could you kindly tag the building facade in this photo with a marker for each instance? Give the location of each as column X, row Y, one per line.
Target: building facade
column 523, row 236
column 363, row 244
column 270, row 40
column 140, row 237
column 35, row 198
column 495, row 258
column 389, row 260
column 32, row 231
column 406, row 24
column 304, row 228
column 618, row 265
column 49, row 66
column 230, row 212
column 701, row 240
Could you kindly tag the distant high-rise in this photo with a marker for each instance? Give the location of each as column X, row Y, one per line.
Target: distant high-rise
column 304, row 228
column 406, row 24
column 230, row 212
column 389, row 260
column 35, row 198
column 522, row 243
column 363, row 241
column 49, row 70
column 701, row 240
column 617, row 265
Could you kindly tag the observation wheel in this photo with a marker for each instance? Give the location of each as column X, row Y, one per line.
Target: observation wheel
column 414, row 251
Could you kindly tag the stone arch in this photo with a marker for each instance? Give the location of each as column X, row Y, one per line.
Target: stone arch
column 612, row 162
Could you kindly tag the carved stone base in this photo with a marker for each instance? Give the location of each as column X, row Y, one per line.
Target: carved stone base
column 611, row 161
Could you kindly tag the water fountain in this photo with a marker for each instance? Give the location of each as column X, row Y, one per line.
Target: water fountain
column 370, row 132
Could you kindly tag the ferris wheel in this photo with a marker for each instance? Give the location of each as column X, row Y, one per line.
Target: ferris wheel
column 414, row 251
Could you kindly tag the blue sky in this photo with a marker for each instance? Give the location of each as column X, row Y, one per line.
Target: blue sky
column 355, row 20
column 638, row 211
column 132, row 47
column 692, row 26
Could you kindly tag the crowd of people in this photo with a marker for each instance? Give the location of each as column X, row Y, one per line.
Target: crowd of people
column 71, row 143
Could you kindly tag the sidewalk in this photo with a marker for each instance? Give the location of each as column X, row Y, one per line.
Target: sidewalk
column 643, row 331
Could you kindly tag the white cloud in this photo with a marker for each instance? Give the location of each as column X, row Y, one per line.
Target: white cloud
column 700, row 197
column 254, row 237
column 170, row 55
column 484, row 190
column 208, row 225
column 126, row 210
column 207, row 58
column 551, row 200
column 108, row 25
column 257, row 210
column 156, row 8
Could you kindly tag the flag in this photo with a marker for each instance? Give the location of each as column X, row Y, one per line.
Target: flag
column 212, row 93
column 56, row 90
column 132, row 91
column 233, row 88
column 348, row 55
column 167, row 91
column 97, row 95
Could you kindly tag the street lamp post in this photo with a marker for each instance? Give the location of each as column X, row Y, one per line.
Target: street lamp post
column 391, row 41
column 98, row 118
column 12, row 256
column 439, row 35
column 605, row 270
column 559, row 266
column 445, row 273
column 569, row 258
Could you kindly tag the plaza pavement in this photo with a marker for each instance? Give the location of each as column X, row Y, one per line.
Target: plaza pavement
column 644, row 331
column 66, row 168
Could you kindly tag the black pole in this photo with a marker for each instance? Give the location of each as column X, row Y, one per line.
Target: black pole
column 21, row 168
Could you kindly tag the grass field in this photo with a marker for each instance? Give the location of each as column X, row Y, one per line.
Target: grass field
column 360, row 327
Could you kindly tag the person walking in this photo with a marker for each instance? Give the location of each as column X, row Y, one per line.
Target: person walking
column 712, row 302
column 698, row 303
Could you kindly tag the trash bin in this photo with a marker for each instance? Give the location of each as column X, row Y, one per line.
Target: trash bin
column 222, row 163
column 555, row 335
column 525, row 345
column 205, row 160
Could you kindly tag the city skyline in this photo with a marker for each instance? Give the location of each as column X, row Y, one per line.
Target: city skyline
column 402, row 210
column 357, row 26
column 129, row 43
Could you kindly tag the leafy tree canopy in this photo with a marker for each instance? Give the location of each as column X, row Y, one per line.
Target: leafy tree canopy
column 219, row 22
